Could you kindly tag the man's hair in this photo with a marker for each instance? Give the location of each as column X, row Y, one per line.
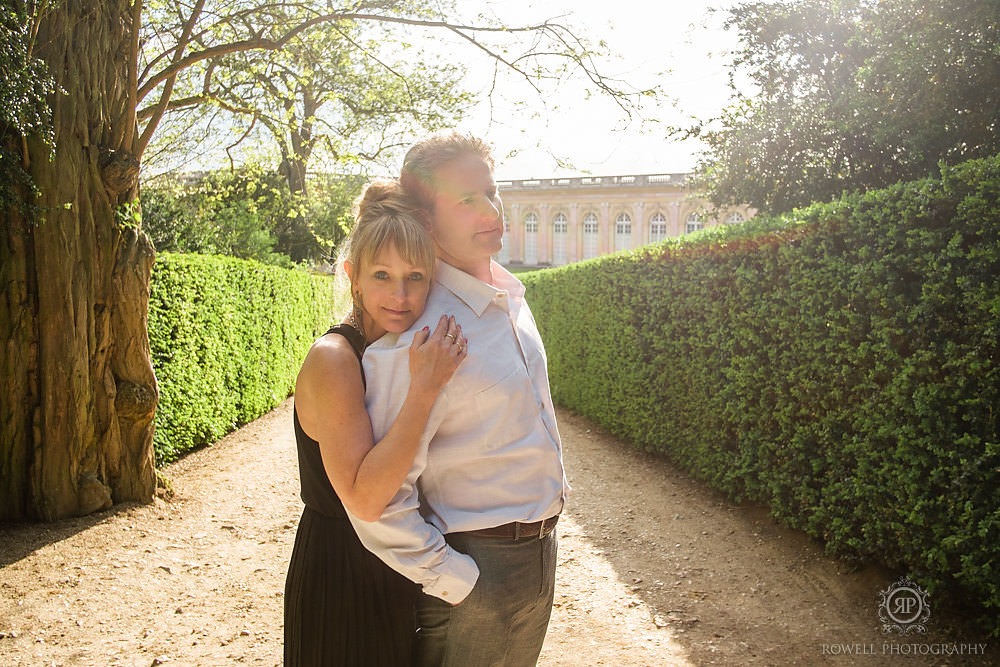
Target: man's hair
column 428, row 155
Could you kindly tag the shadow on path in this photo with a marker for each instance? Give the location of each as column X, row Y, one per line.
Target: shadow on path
column 654, row 570
column 730, row 585
column 19, row 540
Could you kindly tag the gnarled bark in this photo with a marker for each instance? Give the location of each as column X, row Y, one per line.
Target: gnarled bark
column 77, row 430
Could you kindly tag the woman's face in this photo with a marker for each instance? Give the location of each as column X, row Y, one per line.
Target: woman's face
column 392, row 292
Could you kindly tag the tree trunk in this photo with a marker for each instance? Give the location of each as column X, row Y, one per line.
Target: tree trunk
column 299, row 142
column 293, row 169
column 77, row 431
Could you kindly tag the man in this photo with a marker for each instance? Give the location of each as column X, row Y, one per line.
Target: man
column 474, row 522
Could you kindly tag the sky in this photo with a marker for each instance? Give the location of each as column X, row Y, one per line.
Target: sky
column 677, row 45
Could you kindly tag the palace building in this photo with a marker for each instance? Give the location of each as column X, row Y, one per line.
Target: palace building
column 555, row 221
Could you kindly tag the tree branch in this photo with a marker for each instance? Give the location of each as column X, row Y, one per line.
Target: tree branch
column 168, row 85
column 371, row 56
column 254, row 44
column 130, row 120
column 193, row 101
column 232, row 163
column 266, row 44
column 495, row 56
column 565, row 46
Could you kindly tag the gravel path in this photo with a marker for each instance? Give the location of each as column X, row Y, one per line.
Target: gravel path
column 653, row 570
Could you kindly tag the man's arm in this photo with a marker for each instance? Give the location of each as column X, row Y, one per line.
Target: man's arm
column 401, row 537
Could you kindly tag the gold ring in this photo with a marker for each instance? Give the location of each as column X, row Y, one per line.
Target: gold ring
column 452, row 337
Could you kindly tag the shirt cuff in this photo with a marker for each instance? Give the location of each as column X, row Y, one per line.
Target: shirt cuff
column 456, row 580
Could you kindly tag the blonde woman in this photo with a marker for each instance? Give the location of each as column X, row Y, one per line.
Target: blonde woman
column 343, row 606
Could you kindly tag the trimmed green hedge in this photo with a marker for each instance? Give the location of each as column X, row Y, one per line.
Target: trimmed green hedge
column 840, row 364
column 227, row 337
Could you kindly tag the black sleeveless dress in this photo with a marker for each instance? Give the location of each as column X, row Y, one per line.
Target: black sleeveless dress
column 343, row 606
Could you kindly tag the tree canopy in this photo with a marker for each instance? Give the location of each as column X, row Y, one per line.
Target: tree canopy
column 251, row 213
column 348, row 82
column 851, row 94
column 77, row 375
column 329, row 89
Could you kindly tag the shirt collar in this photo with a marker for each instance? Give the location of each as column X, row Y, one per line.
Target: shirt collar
column 476, row 294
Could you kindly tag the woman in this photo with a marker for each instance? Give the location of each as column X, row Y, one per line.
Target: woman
column 343, row 606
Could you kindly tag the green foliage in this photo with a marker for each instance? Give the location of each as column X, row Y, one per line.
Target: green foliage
column 25, row 82
column 334, row 94
column 251, row 214
column 840, row 364
column 851, row 95
column 329, row 216
column 227, row 338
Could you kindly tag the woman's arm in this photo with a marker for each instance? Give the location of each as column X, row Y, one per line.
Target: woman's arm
column 329, row 399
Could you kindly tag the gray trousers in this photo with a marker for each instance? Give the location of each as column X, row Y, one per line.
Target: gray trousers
column 502, row 622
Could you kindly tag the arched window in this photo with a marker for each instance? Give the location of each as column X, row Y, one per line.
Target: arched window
column 560, row 239
column 503, row 257
column 657, row 227
column 734, row 218
column 589, row 236
column 694, row 223
column 623, row 231
column 531, row 239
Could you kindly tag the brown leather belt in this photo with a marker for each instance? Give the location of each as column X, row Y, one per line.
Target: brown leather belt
column 516, row 530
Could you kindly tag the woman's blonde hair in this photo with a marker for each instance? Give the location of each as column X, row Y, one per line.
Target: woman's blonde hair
column 384, row 214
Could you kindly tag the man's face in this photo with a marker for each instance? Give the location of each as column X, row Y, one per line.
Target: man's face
column 467, row 221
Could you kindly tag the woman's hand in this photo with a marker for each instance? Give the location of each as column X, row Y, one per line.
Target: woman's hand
column 434, row 356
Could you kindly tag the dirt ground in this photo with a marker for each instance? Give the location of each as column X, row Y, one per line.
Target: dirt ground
column 654, row 569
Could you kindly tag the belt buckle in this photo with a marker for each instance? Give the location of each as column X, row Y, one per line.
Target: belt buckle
column 545, row 527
